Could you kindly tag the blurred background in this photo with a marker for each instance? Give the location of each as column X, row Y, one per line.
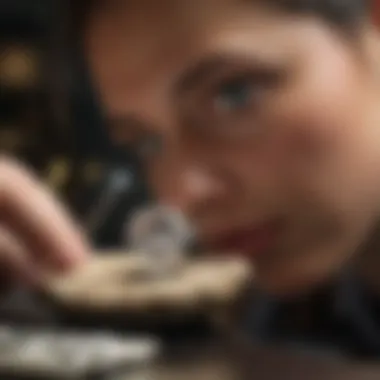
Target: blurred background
column 50, row 119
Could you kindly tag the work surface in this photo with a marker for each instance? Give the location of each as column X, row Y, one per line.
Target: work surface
column 260, row 364
column 231, row 360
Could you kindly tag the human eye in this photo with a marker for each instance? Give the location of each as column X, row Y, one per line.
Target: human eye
column 234, row 95
column 232, row 104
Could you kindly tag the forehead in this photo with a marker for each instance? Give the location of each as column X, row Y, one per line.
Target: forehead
column 149, row 15
column 166, row 30
column 135, row 46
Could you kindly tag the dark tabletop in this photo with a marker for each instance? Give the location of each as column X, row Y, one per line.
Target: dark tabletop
column 228, row 358
column 219, row 363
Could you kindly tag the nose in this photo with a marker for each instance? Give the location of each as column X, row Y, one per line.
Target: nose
column 185, row 175
column 194, row 189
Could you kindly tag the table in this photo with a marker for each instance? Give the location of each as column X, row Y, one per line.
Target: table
column 259, row 364
column 230, row 359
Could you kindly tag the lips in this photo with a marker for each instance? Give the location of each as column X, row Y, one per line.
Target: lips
column 250, row 242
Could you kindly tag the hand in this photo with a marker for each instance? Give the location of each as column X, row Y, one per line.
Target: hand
column 36, row 234
column 120, row 282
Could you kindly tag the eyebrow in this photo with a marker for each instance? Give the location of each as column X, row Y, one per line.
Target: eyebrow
column 200, row 71
column 206, row 67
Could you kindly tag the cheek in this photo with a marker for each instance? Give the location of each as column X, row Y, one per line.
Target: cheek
column 309, row 153
column 298, row 137
column 316, row 131
column 326, row 176
column 306, row 140
column 298, row 142
column 317, row 115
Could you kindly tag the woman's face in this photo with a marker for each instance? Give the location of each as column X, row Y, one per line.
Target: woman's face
column 261, row 127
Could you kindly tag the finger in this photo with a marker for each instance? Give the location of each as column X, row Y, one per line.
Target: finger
column 105, row 268
column 14, row 263
column 37, row 219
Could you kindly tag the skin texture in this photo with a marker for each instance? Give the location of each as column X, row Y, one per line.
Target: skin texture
column 202, row 285
column 244, row 117
column 36, row 234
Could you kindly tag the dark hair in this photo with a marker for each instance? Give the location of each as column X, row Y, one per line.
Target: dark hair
column 343, row 14
column 346, row 15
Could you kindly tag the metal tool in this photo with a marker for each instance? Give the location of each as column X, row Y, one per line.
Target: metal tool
column 119, row 182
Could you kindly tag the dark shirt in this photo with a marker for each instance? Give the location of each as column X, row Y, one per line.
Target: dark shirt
column 344, row 317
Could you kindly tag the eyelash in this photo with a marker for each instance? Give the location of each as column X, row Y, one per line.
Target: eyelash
column 232, row 95
column 259, row 80
column 200, row 114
